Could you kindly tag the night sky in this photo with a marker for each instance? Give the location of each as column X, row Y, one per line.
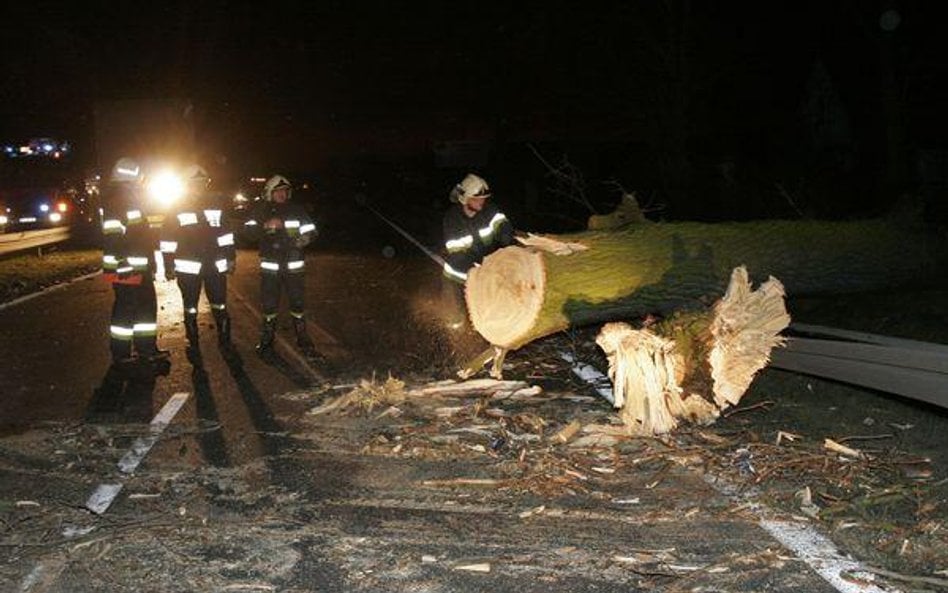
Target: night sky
column 631, row 86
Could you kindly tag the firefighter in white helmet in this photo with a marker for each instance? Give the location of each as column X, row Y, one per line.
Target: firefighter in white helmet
column 473, row 229
column 282, row 229
column 128, row 265
column 198, row 249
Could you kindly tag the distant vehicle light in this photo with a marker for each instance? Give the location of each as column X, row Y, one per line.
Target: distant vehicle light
column 44, row 207
column 55, row 217
column 48, row 147
column 166, row 187
column 28, row 219
column 62, row 206
column 4, row 219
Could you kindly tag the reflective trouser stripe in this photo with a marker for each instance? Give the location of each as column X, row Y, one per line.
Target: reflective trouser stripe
column 145, row 329
column 121, row 333
column 218, row 307
column 295, row 266
column 168, row 246
column 270, row 266
column 221, row 265
column 296, row 314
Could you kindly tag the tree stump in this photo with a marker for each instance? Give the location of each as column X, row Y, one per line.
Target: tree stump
column 693, row 365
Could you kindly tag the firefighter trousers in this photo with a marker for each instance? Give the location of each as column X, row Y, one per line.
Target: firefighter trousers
column 271, row 287
column 134, row 319
column 215, row 287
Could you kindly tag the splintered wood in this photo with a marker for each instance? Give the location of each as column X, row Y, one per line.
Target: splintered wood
column 694, row 365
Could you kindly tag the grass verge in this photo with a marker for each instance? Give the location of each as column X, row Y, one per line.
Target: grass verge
column 25, row 274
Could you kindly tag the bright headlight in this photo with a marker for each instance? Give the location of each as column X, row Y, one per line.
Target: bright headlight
column 55, row 217
column 166, row 187
column 4, row 219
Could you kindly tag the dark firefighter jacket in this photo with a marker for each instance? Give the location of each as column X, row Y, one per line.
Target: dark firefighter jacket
column 128, row 241
column 195, row 239
column 467, row 241
column 281, row 250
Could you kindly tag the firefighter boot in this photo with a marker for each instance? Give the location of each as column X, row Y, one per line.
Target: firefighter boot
column 222, row 320
column 267, row 334
column 302, row 338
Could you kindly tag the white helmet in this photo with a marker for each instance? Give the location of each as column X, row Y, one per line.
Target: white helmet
column 126, row 170
column 196, row 175
column 471, row 186
column 274, row 183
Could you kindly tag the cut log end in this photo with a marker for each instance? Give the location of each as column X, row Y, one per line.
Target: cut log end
column 505, row 297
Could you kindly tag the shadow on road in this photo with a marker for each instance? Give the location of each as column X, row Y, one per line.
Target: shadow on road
column 260, row 413
column 125, row 394
column 212, row 440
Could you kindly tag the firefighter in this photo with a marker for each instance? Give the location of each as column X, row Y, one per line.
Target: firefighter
column 128, row 264
column 198, row 249
column 282, row 228
column 473, row 229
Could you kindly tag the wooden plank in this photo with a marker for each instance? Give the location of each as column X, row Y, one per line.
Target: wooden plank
column 912, row 358
column 926, row 386
column 865, row 337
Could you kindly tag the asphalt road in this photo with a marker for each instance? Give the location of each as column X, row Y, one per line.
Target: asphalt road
column 234, row 495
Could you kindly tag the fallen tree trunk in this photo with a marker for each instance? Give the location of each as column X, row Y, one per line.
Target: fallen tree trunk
column 693, row 365
column 520, row 294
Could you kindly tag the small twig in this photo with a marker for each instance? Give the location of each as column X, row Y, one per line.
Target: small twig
column 866, row 437
column 909, row 578
column 762, row 404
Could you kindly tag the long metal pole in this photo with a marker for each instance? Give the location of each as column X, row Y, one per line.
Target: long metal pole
column 431, row 254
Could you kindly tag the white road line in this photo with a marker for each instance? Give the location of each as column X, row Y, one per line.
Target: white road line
column 279, row 339
column 103, row 496
column 47, row 290
column 822, row 556
column 591, row 375
column 814, row 549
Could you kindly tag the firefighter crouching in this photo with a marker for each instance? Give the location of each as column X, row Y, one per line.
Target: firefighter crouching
column 282, row 229
column 198, row 249
column 129, row 244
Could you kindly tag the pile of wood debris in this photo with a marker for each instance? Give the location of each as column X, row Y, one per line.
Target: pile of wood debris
column 559, row 441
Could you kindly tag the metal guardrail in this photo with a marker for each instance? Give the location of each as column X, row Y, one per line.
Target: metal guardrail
column 916, row 370
column 13, row 242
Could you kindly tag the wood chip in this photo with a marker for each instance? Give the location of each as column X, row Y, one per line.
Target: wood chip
column 486, row 482
column 481, row 567
column 789, row 436
column 565, row 434
column 842, row 449
column 531, row 512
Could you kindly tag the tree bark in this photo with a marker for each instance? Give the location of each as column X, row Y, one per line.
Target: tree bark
column 520, row 294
